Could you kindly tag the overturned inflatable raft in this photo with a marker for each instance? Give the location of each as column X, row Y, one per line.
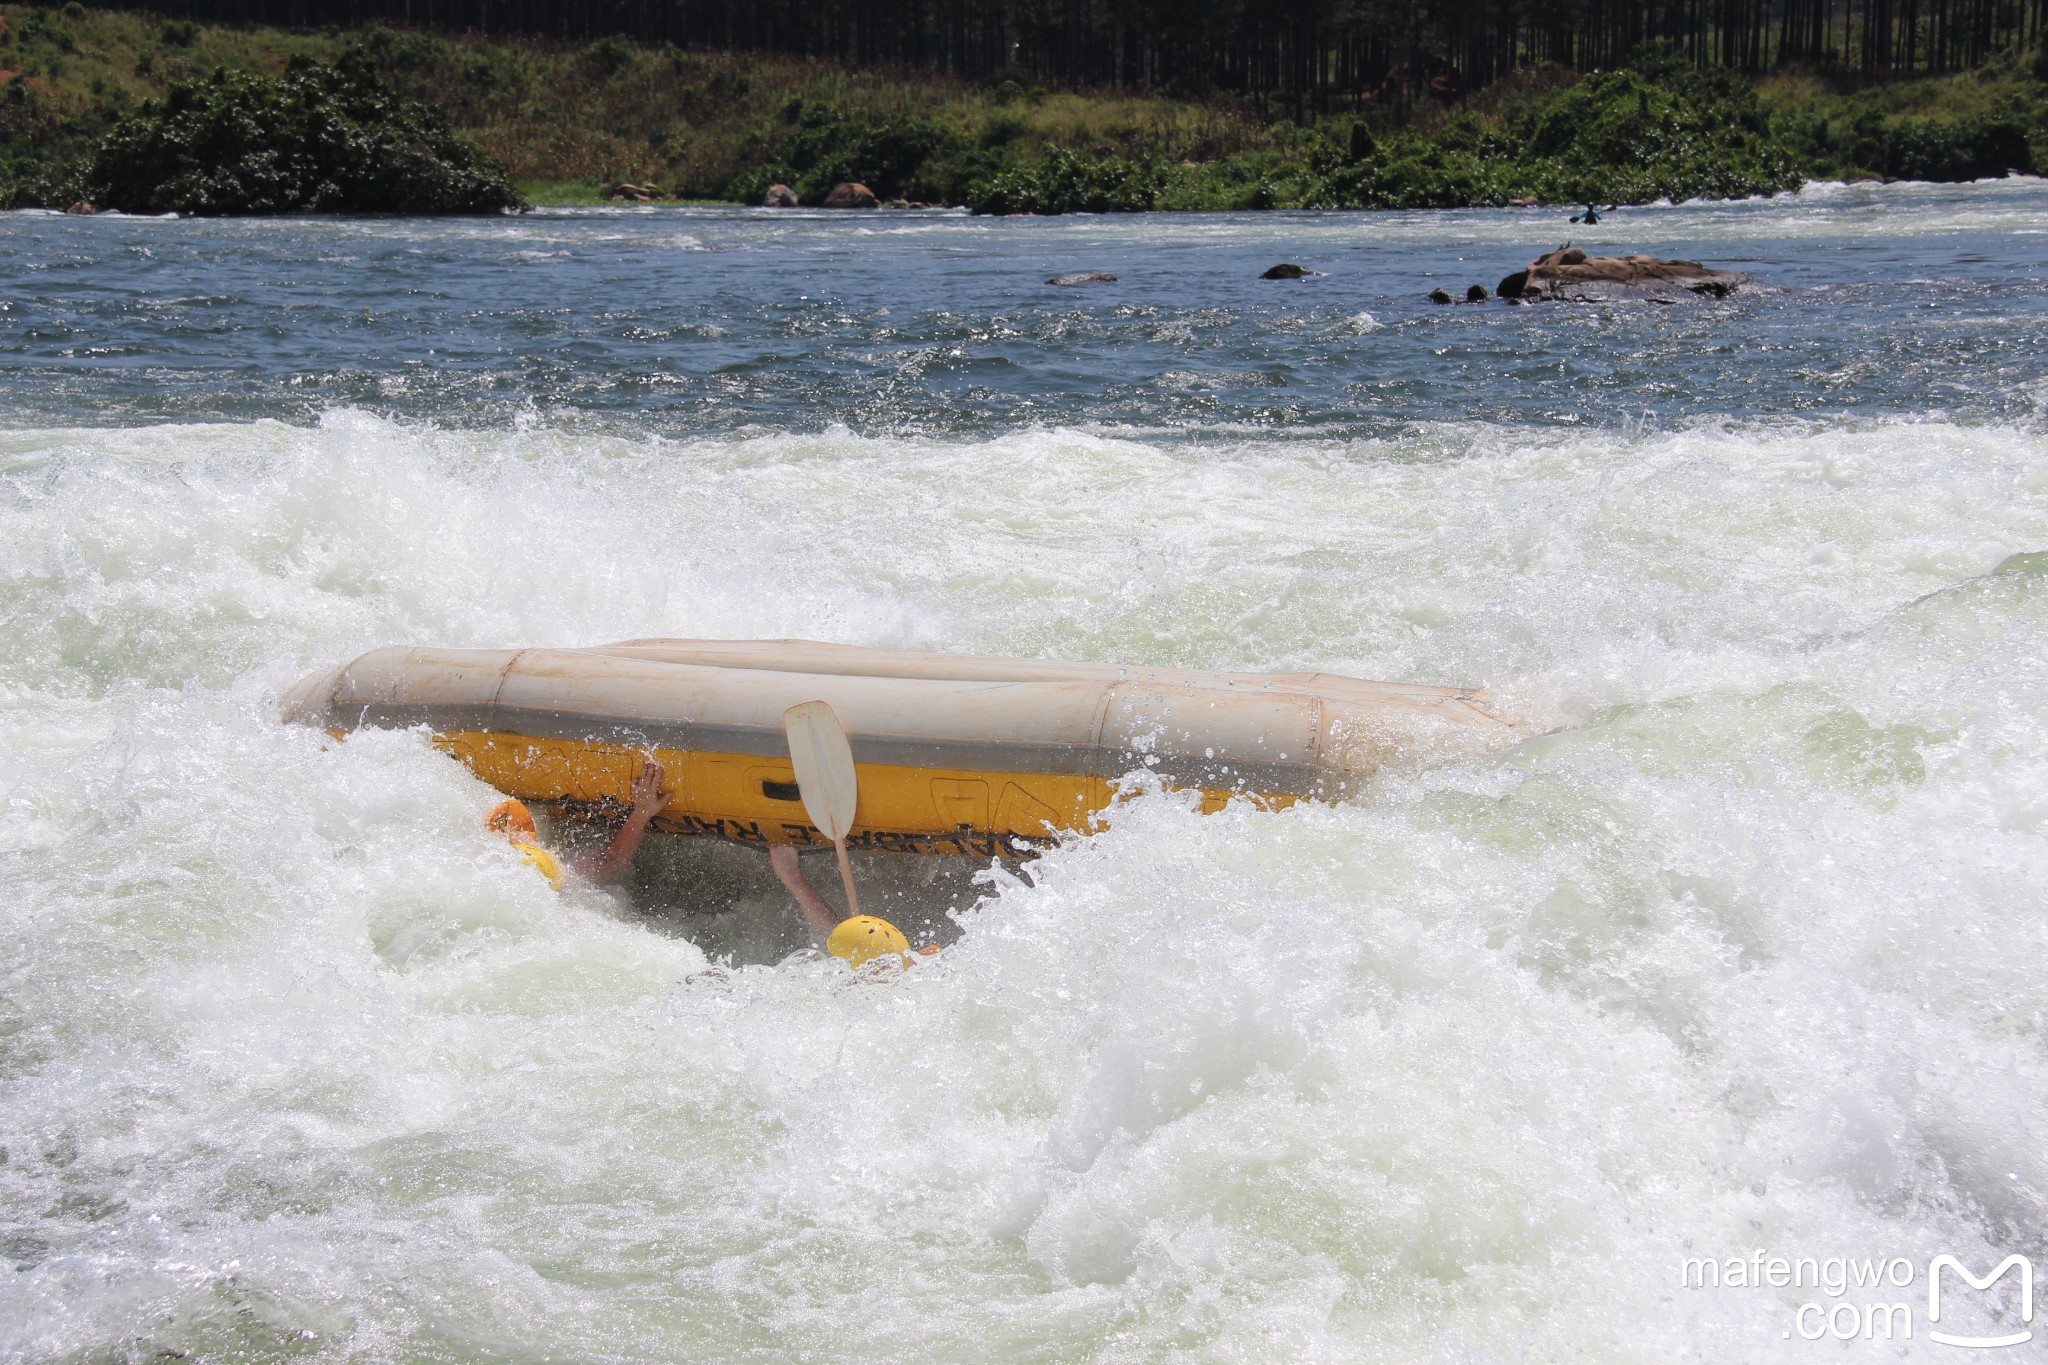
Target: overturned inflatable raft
column 956, row 754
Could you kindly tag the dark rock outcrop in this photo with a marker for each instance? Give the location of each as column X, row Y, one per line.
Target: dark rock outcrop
column 779, row 197
column 1287, row 271
column 1440, row 295
column 1476, row 293
column 851, row 194
column 1084, row 277
column 1568, row 273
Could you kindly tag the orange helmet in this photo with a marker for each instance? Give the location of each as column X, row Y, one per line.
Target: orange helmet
column 511, row 819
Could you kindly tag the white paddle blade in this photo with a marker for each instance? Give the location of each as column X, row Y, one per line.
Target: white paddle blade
column 824, row 767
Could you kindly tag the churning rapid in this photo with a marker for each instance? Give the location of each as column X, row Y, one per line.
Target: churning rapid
column 1745, row 954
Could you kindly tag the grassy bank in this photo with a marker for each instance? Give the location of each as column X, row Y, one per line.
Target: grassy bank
column 568, row 122
column 1961, row 127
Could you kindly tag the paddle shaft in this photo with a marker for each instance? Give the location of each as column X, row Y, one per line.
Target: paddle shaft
column 846, row 878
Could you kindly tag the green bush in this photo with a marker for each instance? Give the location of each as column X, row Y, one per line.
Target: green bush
column 318, row 139
column 1063, row 182
column 402, row 54
column 609, row 55
column 30, row 183
column 1972, row 149
column 825, row 145
column 1965, row 126
column 1910, row 146
column 41, row 26
column 1620, row 137
column 1623, row 136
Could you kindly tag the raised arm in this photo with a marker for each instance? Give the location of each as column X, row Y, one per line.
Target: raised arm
column 613, row 865
column 819, row 916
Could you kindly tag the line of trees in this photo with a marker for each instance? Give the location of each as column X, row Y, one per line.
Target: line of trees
column 1326, row 53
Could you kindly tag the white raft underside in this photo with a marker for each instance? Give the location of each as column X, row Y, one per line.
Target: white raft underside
column 1287, row 736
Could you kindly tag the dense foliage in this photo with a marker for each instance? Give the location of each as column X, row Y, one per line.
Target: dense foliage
column 1325, row 54
column 823, row 144
column 1987, row 122
column 1616, row 137
column 572, row 120
column 317, row 139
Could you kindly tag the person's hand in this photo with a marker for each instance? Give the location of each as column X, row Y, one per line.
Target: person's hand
column 615, row 864
column 782, row 857
column 648, row 797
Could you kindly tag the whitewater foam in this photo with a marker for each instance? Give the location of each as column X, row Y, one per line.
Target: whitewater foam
column 1743, row 953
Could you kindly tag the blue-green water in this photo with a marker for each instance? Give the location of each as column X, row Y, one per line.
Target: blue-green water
column 1745, row 954
column 1878, row 301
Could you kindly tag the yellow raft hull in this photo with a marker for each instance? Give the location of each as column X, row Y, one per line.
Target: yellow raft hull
column 955, row 755
column 753, row 800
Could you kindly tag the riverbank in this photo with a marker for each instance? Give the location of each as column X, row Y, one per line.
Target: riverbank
column 571, row 122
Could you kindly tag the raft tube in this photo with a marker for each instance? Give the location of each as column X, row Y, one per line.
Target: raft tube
column 956, row 754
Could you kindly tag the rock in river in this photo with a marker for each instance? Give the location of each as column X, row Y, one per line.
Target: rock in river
column 779, row 197
column 1286, row 271
column 1084, row 277
column 1569, row 273
column 851, row 194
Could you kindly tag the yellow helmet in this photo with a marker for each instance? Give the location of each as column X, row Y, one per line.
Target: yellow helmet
column 537, row 857
column 863, row 938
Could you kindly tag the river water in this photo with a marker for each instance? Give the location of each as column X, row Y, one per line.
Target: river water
column 1745, row 954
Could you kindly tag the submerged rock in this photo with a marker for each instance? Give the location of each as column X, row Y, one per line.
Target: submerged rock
column 1440, row 295
column 1084, row 277
column 779, row 197
column 1476, row 293
column 1286, row 271
column 1568, row 273
column 851, row 194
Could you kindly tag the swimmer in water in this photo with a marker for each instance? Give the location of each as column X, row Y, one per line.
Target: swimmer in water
column 857, row 939
column 513, row 820
column 608, row 866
